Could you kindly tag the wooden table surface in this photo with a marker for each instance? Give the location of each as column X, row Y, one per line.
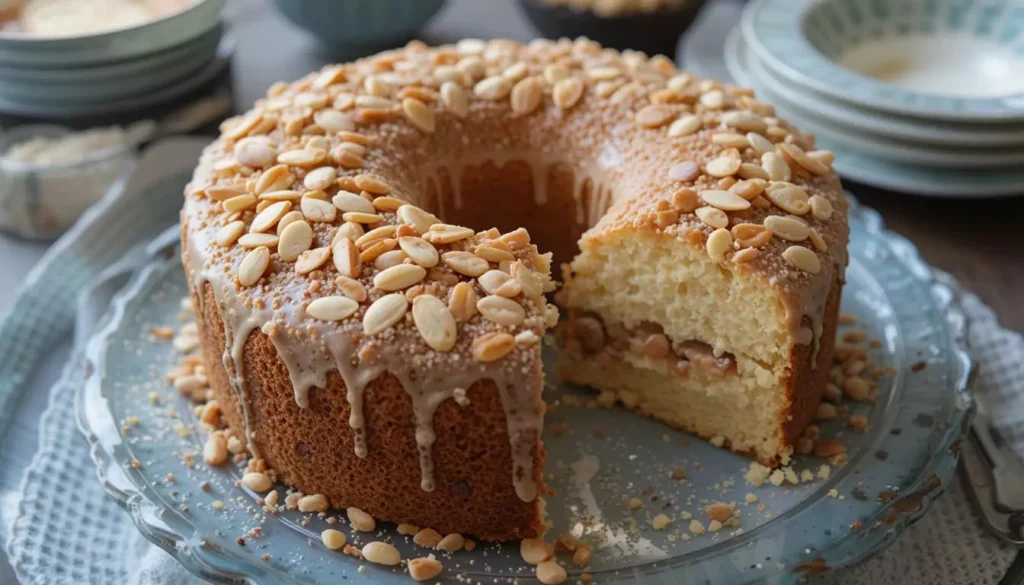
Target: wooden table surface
column 980, row 242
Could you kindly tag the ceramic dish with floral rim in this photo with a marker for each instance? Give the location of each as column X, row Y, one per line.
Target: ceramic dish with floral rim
column 941, row 59
column 818, row 517
column 850, row 163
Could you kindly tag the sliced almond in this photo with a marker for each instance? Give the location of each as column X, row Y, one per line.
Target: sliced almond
column 288, row 219
column 435, row 322
column 818, row 241
column 360, row 217
column 269, row 217
column 381, row 553
column 493, row 88
column 417, row 218
column 684, row 126
column 776, row 166
column 255, row 152
column 797, row 155
column 746, row 121
column 492, row 346
column 420, row 251
column 228, row 234
column 492, row 253
column 723, row 166
column 455, row 99
column 385, row 312
column 387, row 203
column 761, row 144
column 462, row 301
column 296, row 238
column 753, row 171
column 276, row 178
column 239, row 203
column 443, row 233
column 802, row 259
column 309, row 157
column 310, row 260
column 751, row 235
column 399, row 277
column 820, row 207
column 465, row 263
column 372, row 184
column 655, row 116
column 745, row 255
column 384, row 231
column 527, row 96
column 535, row 551
column 724, row 200
column 252, row 267
column 223, row 192
column 419, row 114
column 501, row 310
column 286, row 195
column 567, row 92
column 371, row 252
column 257, row 240
column 788, row 228
column 496, row 282
column 320, row 178
column 714, row 217
column 425, row 568
column 318, row 210
column 334, row 121
column 349, row 230
column 789, row 197
column 719, row 242
column 332, row 308
column 346, row 258
column 730, row 139
column 348, row 201
column 351, row 288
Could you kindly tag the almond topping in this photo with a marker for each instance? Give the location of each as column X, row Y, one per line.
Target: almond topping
column 551, row 573
column 723, row 166
column 346, row 258
column 820, row 207
column 385, row 312
column 655, row 116
column 535, row 551
column 267, row 218
column 228, row 234
column 320, row 178
column 310, row 260
column 684, row 126
column 724, row 200
column 751, row 235
column 417, row 218
column 789, row 197
column 295, row 239
column 239, row 203
column 499, row 283
column 501, row 310
column 492, row 346
column 465, row 263
column 776, row 166
column 333, row 539
column 788, row 228
column 419, row 250
column 372, row 184
column 332, row 308
column 360, row 217
column 424, row 568
column 373, row 251
column 360, row 520
column 719, row 242
column 387, row 203
column 384, row 231
column 527, row 96
column 797, row 155
column 333, row 121
column 435, row 322
column 349, row 230
column 257, row 240
column 454, row 98
column 753, row 171
column 318, row 210
column 567, row 92
column 443, row 233
column 493, row 88
column 399, row 277
column 351, row 288
column 253, row 266
column 348, row 201
column 685, row 171
column 802, row 258
column 302, row 158
column 714, row 217
column 255, row 152
column 745, row 255
column 462, row 301
column 419, row 114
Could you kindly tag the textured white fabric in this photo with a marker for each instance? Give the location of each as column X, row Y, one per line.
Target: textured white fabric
column 65, row 537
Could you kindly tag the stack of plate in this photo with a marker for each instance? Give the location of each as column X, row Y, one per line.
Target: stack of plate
column 923, row 96
column 117, row 71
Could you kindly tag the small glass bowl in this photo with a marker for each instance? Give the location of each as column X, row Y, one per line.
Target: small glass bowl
column 42, row 201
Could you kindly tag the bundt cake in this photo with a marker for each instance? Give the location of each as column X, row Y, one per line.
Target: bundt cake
column 371, row 308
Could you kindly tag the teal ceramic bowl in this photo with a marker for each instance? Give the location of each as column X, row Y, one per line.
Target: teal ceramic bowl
column 355, row 28
column 938, row 59
column 21, row 50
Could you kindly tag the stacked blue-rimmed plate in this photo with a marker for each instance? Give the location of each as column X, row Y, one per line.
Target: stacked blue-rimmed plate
column 112, row 71
column 923, row 96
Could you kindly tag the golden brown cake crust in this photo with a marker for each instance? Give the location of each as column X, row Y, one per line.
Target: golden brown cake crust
column 472, row 454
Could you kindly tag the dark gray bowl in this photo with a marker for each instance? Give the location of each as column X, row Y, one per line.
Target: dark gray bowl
column 653, row 33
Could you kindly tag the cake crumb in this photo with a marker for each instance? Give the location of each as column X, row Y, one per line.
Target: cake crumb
column 635, row 504
column 777, row 477
column 750, row 498
column 660, row 522
column 714, row 526
column 757, row 474
column 824, row 472
column 696, row 527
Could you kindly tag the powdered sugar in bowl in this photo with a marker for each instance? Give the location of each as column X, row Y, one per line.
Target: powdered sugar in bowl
column 50, row 175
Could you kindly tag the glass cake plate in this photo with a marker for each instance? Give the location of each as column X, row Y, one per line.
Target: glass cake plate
column 141, row 429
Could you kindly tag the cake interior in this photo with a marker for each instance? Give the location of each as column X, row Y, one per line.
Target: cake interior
column 721, row 350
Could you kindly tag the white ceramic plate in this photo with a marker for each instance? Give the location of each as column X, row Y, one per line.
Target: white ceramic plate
column 862, row 167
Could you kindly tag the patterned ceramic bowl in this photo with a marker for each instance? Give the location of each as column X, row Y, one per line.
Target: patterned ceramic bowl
column 937, row 59
column 354, row 28
column 23, row 50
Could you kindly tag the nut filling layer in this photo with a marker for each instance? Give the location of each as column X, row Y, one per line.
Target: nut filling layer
column 586, row 334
